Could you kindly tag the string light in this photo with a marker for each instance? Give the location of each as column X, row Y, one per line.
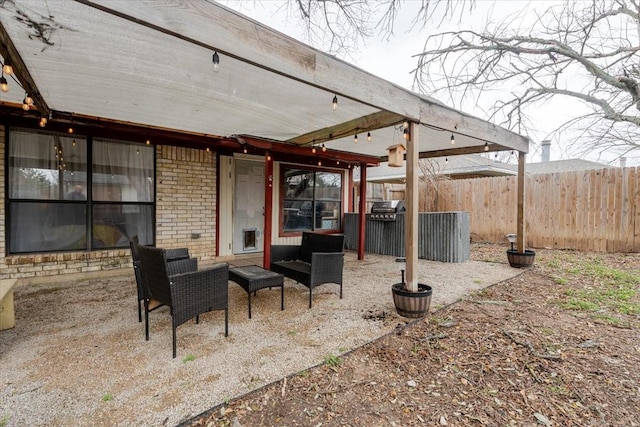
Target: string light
column 319, row 163
column 335, row 101
column 216, row 62
column 368, row 136
column 405, row 134
column 147, row 142
column 355, row 138
column 324, row 148
column 27, row 102
column 268, row 157
column 453, row 139
column 446, row 160
column 313, row 149
column 7, row 67
column 486, row 146
column 4, row 86
column 244, row 150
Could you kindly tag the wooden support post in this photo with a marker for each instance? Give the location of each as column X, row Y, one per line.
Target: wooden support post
column 362, row 210
column 520, row 240
column 268, row 210
column 411, row 205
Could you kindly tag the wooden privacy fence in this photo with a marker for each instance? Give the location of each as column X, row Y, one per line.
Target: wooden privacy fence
column 595, row 210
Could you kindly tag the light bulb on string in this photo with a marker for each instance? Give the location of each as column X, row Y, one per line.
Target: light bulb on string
column 4, row 86
column 26, row 102
column 335, row 102
column 7, row 67
column 313, row 149
column 355, row 138
column 324, row 148
column 216, row 62
column 486, row 146
column 368, row 136
column 453, row 139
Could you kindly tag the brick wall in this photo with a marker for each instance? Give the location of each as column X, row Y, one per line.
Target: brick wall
column 186, row 200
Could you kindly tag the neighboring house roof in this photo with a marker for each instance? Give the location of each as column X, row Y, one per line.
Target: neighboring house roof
column 475, row 165
column 568, row 165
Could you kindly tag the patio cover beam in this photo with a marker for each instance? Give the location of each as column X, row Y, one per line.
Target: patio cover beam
column 379, row 120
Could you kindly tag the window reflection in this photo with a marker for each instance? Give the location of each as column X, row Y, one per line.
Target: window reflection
column 56, row 199
column 312, row 200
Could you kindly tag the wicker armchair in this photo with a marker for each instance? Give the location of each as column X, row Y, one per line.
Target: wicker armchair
column 318, row 259
column 178, row 254
column 186, row 294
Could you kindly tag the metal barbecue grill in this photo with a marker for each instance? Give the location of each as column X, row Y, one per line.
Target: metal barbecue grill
column 386, row 210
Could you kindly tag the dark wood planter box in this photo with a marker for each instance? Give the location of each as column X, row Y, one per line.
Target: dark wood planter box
column 411, row 304
column 520, row 259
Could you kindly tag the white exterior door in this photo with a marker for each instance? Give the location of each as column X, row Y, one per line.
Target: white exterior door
column 248, row 207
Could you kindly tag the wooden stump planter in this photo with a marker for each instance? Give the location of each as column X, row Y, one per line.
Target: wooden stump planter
column 520, row 259
column 411, row 304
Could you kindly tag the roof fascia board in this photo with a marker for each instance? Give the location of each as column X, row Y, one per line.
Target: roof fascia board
column 443, row 117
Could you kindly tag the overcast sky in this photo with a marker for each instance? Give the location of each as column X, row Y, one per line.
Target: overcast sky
column 393, row 59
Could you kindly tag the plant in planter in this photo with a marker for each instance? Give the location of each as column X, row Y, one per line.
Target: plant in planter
column 411, row 303
column 519, row 259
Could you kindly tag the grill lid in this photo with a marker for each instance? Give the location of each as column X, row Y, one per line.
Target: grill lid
column 388, row 206
column 386, row 210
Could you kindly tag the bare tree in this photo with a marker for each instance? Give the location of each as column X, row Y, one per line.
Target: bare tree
column 342, row 25
column 586, row 51
column 581, row 50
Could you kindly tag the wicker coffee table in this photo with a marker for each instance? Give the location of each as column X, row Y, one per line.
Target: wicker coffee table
column 252, row 278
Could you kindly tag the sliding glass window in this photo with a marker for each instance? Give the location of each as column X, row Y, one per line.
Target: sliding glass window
column 312, row 200
column 60, row 200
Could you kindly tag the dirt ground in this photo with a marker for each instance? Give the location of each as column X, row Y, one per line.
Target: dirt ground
column 557, row 345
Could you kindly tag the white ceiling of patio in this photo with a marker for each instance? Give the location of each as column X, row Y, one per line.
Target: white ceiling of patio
column 150, row 63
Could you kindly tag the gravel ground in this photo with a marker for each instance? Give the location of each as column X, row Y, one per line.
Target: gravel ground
column 78, row 356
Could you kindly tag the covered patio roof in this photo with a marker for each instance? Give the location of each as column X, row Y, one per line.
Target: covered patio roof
column 147, row 65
